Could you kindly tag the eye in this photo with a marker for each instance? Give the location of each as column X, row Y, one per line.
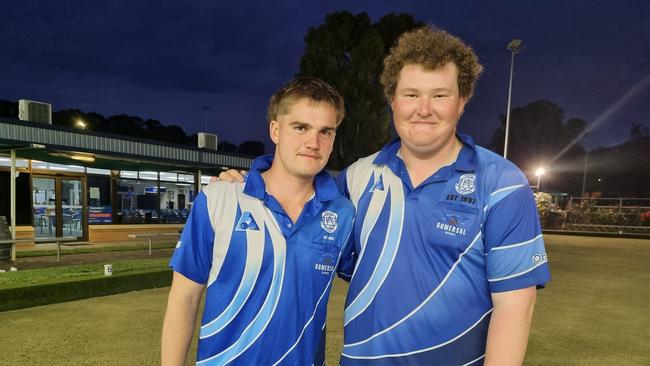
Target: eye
column 327, row 133
column 300, row 128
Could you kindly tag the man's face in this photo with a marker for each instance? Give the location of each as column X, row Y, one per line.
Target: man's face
column 304, row 138
column 426, row 107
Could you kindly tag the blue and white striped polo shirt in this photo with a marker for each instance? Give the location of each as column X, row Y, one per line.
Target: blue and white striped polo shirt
column 268, row 279
column 428, row 259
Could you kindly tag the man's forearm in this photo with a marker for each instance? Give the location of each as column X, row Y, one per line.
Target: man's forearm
column 509, row 327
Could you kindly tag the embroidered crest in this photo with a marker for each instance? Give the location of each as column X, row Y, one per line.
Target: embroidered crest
column 328, row 221
column 465, row 184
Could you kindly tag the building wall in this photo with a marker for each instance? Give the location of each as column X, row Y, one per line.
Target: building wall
column 120, row 233
column 24, row 232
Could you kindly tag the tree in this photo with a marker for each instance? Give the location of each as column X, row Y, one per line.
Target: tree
column 251, row 148
column 621, row 170
column 539, row 136
column 226, row 146
column 8, row 109
column 639, row 129
column 347, row 51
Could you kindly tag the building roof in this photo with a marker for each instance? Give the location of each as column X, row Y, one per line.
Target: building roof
column 92, row 149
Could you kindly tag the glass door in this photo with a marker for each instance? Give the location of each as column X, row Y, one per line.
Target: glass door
column 58, row 204
column 44, row 204
column 71, row 207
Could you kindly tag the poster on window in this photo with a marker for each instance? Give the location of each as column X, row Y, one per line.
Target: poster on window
column 99, row 215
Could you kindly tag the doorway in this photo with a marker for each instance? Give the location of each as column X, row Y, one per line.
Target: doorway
column 58, row 205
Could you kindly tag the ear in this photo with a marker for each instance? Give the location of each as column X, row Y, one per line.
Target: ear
column 274, row 131
column 461, row 106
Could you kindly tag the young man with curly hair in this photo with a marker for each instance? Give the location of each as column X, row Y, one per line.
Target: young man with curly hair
column 447, row 241
column 265, row 250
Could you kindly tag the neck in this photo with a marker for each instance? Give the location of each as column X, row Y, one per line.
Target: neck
column 291, row 192
column 421, row 165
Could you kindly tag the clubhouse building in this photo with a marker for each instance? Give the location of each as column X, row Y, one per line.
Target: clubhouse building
column 99, row 187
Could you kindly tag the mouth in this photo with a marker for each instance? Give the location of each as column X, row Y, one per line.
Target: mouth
column 310, row 156
column 424, row 122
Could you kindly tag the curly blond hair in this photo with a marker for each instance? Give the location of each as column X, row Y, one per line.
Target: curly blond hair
column 431, row 47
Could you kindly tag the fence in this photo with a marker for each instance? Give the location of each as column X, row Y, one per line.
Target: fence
column 613, row 215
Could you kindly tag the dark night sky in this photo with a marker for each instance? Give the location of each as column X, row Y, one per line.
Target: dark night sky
column 165, row 60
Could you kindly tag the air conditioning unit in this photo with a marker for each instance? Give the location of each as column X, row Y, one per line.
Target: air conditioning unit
column 29, row 110
column 207, row 141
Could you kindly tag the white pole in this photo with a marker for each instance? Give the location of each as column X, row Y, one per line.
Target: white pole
column 505, row 145
column 12, row 199
column 584, row 174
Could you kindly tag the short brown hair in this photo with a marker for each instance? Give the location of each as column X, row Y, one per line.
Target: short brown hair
column 431, row 48
column 313, row 89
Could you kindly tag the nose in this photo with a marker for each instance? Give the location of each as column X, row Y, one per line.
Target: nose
column 312, row 141
column 424, row 107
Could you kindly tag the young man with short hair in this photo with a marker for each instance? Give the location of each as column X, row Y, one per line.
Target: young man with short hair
column 267, row 249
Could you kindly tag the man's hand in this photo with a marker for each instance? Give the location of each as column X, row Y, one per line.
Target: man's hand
column 231, row 176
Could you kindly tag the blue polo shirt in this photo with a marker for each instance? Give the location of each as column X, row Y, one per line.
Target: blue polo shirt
column 429, row 257
column 268, row 279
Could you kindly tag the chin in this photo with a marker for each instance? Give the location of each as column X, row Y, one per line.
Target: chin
column 307, row 172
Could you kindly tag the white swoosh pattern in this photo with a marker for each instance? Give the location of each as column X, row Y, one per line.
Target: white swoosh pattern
column 444, row 280
column 424, row 349
column 254, row 254
column 226, row 210
column 257, row 326
column 377, row 201
column 327, row 288
column 393, row 186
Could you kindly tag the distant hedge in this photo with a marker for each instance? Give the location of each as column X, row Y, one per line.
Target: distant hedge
column 28, row 296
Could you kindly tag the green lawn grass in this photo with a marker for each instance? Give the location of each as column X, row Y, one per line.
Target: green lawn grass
column 92, row 249
column 594, row 312
column 60, row 274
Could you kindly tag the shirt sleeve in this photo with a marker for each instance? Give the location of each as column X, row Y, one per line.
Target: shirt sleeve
column 348, row 254
column 342, row 183
column 515, row 253
column 347, row 260
column 193, row 254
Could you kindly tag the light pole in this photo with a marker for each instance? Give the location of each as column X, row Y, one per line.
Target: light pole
column 584, row 174
column 539, row 172
column 81, row 124
column 514, row 46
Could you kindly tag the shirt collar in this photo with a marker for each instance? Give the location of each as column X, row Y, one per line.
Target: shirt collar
column 466, row 160
column 324, row 187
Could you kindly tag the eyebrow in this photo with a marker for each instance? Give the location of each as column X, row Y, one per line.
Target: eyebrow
column 299, row 123
column 435, row 90
column 305, row 124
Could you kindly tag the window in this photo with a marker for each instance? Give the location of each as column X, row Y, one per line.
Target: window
column 99, row 202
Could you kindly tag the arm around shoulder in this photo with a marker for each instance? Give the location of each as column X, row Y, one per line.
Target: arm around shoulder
column 180, row 318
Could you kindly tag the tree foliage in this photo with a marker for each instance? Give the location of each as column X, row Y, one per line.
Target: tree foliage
column 347, row 51
column 133, row 126
column 621, row 170
column 227, row 146
column 251, row 148
column 539, row 136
